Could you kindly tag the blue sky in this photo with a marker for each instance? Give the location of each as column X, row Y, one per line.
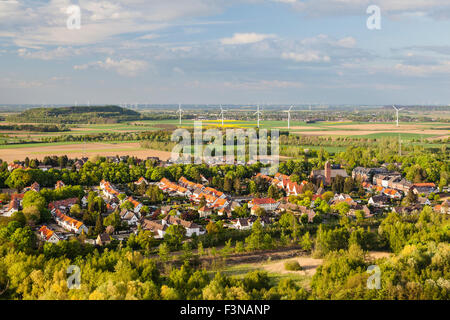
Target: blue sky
column 225, row 51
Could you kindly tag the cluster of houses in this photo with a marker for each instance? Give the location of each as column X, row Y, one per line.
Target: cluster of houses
column 284, row 182
column 214, row 199
column 159, row 227
column 391, row 183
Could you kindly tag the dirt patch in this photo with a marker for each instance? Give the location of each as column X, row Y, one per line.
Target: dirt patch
column 383, row 126
column 82, row 150
column 308, row 264
column 299, row 127
column 366, row 132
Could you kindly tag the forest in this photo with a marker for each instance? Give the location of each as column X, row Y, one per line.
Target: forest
column 72, row 115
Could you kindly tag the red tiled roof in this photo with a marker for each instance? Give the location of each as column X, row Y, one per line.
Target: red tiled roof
column 46, row 232
column 430, row 184
column 259, row 201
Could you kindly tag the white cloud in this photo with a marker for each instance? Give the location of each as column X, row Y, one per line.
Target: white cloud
column 246, row 38
column 423, row 70
column 348, row 42
column 57, row 53
column 307, row 56
column 263, row 85
column 439, row 9
column 124, row 67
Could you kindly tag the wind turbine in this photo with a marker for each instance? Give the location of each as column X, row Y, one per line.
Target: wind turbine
column 180, row 111
column 397, row 111
column 289, row 116
column 222, row 111
column 258, row 113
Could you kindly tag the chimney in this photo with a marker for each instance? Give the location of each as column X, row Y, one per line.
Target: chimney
column 327, row 173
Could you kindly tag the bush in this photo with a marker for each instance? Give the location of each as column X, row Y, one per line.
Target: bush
column 292, row 266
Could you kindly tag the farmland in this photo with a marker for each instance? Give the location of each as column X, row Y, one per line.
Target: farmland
column 80, row 138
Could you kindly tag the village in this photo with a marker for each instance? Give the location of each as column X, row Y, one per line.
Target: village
column 313, row 199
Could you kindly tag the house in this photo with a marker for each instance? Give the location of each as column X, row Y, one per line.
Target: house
column 366, row 174
column 423, row 188
column 157, row 228
column 136, row 204
column 224, row 212
column 268, row 204
column 48, row 235
column 190, row 226
column 172, row 188
column 69, row 223
column 34, row 187
column 328, row 174
column 392, row 193
column 12, row 208
column 14, row 166
column 441, row 208
column 293, row 188
column 59, row 184
column 424, row 201
column 109, row 191
column 141, row 181
column 338, row 198
column 379, row 201
column 129, row 217
column 204, row 212
column 408, row 210
column 288, row 207
column 243, row 224
column 63, row 205
column 103, row 239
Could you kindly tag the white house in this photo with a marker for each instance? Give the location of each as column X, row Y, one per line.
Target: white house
column 268, row 204
column 243, row 224
column 190, row 226
column 129, row 217
column 156, row 227
column 48, row 235
column 69, row 223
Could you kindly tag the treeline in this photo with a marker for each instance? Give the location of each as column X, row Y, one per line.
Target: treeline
column 97, row 169
column 35, row 128
column 418, row 165
column 68, row 115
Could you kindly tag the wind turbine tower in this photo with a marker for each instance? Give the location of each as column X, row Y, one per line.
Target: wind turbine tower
column 397, row 111
column 222, row 111
column 258, row 113
column 180, row 111
column 289, row 116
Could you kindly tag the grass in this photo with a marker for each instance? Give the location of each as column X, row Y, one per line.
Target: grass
column 240, row 270
column 46, row 144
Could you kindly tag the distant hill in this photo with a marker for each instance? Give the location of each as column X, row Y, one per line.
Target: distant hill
column 82, row 114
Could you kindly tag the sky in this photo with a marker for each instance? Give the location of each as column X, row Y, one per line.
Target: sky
column 224, row 51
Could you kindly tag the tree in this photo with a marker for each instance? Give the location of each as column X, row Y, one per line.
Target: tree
column 306, row 242
column 273, row 192
column 113, row 220
column 174, row 236
column 23, row 239
column 164, row 252
column 411, row 197
column 99, row 225
column 359, row 214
